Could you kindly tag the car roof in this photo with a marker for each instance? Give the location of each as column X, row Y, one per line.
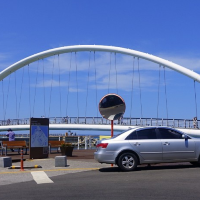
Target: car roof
column 124, row 134
column 127, row 132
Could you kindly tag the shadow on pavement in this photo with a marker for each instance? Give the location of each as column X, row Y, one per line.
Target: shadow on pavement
column 152, row 167
column 110, row 169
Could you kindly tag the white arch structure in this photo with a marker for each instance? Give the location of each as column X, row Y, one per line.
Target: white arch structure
column 44, row 54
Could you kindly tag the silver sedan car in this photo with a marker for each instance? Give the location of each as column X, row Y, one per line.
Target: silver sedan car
column 148, row 145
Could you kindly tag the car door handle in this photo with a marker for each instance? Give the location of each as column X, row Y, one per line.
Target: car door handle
column 137, row 144
column 166, row 143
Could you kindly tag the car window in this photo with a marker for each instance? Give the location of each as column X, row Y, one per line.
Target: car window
column 146, row 134
column 132, row 136
column 115, row 136
column 142, row 134
column 169, row 134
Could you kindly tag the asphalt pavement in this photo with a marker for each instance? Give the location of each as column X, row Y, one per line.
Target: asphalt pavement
column 84, row 178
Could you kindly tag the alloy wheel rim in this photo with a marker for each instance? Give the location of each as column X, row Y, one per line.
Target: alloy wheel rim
column 128, row 162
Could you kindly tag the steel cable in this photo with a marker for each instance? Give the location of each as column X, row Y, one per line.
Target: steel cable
column 44, row 90
column 195, row 98
column 29, row 91
column 15, row 93
column 116, row 74
column 21, row 92
column 59, row 84
column 109, row 73
column 132, row 89
column 35, row 88
column 158, row 93
column 140, row 90
column 3, row 99
column 77, row 83
column 87, row 84
column 95, row 72
column 166, row 95
column 70, row 64
column 51, row 85
column 7, row 98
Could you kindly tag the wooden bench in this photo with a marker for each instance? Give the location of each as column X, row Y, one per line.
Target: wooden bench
column 55, row 144
column 14, row 145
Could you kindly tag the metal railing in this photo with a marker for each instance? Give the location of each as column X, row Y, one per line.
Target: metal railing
column 176, row 123
column 79, row 142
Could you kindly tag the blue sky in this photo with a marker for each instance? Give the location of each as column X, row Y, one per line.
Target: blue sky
column 168, row 29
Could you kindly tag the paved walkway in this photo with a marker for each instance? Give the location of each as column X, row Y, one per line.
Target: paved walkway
column 82, row 160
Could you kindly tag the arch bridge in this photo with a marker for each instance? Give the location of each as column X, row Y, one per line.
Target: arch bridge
column 84, row 123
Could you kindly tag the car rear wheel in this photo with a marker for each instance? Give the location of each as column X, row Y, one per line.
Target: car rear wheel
column 127, row 162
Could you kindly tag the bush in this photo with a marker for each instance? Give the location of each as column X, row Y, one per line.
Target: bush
column 68, row 144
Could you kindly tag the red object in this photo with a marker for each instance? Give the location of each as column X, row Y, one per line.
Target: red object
column 102, row 145
column 111, row 128
column 111, row 134
column 22, row 161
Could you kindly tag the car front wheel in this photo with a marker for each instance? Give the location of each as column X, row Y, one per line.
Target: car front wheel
column 197, row 163
column 127, row 162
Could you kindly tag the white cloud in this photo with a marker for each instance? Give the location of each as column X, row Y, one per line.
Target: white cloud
column 50, row 83
column 125, row 82
column 3, row 63
column 55, row 83
column 192, row 63
column 75, row 90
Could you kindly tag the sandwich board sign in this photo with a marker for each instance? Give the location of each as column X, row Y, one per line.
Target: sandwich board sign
column 39, row 138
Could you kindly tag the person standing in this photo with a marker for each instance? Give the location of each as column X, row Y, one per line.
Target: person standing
column 195, row 122
column 11, row 136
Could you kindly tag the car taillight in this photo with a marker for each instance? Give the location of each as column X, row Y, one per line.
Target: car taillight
column 102, row 145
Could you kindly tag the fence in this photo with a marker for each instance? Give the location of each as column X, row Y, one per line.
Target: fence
column 176, row 123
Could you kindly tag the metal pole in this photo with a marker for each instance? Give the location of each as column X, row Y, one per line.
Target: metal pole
column 85, row 142
column 111, row 128
column 111, row 134
column 22, row 161
column 89, row 142
column 78, row 143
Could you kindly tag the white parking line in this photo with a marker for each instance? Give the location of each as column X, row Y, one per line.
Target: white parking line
column 41, row 177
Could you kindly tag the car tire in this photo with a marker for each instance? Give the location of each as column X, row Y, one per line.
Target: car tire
column 197, row 163
column 127, row 162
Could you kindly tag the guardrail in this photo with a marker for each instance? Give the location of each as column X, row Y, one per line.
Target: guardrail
column 176, row 123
